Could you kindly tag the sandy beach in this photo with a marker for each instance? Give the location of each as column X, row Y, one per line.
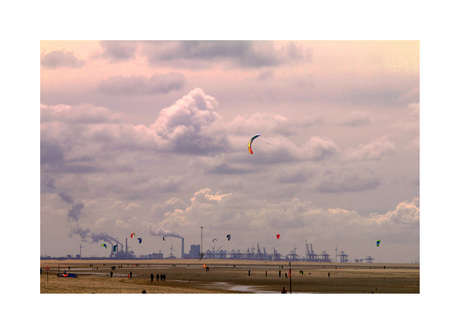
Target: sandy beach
column 226, row 276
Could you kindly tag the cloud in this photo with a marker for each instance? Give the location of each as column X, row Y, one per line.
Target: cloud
column 374, row 150
column 246, row 54
column 318, row 148
column 345, row 180
column 59, row 59
column 406, row 213
column 260, row 123
column 160, row 83
column 191, row 126
column 186, row 127
column 118, row 51
column 80, row 114
column 51, row 155
column 354, row 119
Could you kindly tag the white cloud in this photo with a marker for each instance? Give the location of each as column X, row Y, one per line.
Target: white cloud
column 187, row 125
column 407, row 213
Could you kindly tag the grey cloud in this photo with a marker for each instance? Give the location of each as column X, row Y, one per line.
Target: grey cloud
column 58, row 59
column 51, row 155
column 82, row 114
column 346, row 181
column 250, row 54
column 318, row 148
column 293, row 175
column 141, row 85
column 119, row 50
column 374, row 150
column 355, row 118
column 228, row 169
column 79, row 169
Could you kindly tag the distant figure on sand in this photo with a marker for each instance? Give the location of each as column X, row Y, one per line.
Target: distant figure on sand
column 284, row 290
column 151, row 277
column 158, row 276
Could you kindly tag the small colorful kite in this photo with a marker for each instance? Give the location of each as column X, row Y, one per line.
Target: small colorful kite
column 250, row 143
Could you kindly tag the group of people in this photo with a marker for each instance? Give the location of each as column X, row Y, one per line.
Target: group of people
column 161, row 277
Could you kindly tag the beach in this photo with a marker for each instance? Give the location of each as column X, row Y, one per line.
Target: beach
column 215, row 276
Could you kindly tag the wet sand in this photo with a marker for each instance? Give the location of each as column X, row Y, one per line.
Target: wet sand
column 226, row 276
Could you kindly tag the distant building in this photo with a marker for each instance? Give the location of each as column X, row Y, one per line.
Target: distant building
column 156, row 255
column 194, row 252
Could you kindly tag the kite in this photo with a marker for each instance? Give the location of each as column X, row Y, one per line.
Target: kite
column 132, row 235
column 277, row 236
column 214, row 240
column 140, row 240
column 67, row 275
column 164, row 239
column 115, row 248
column 378, row 243
column 104, row 245
column 250, row 143
column 228, row 236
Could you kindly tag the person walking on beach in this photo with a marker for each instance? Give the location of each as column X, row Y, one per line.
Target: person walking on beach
column 158, row 276
column 111, row 274
column 284, row 290
column 151, row 277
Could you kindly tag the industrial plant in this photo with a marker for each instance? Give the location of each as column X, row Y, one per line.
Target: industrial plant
column 122, row 252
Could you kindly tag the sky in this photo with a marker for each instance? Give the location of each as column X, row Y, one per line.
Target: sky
column 323, row 86
column 151, row 137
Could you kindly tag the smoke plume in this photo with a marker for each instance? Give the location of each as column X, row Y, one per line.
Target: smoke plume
column 66, row 198
column 95, row 237
column 75, row 211
column 161, row 232
column 82, row 232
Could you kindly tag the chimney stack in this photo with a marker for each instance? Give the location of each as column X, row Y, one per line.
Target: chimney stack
column 182, row 251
